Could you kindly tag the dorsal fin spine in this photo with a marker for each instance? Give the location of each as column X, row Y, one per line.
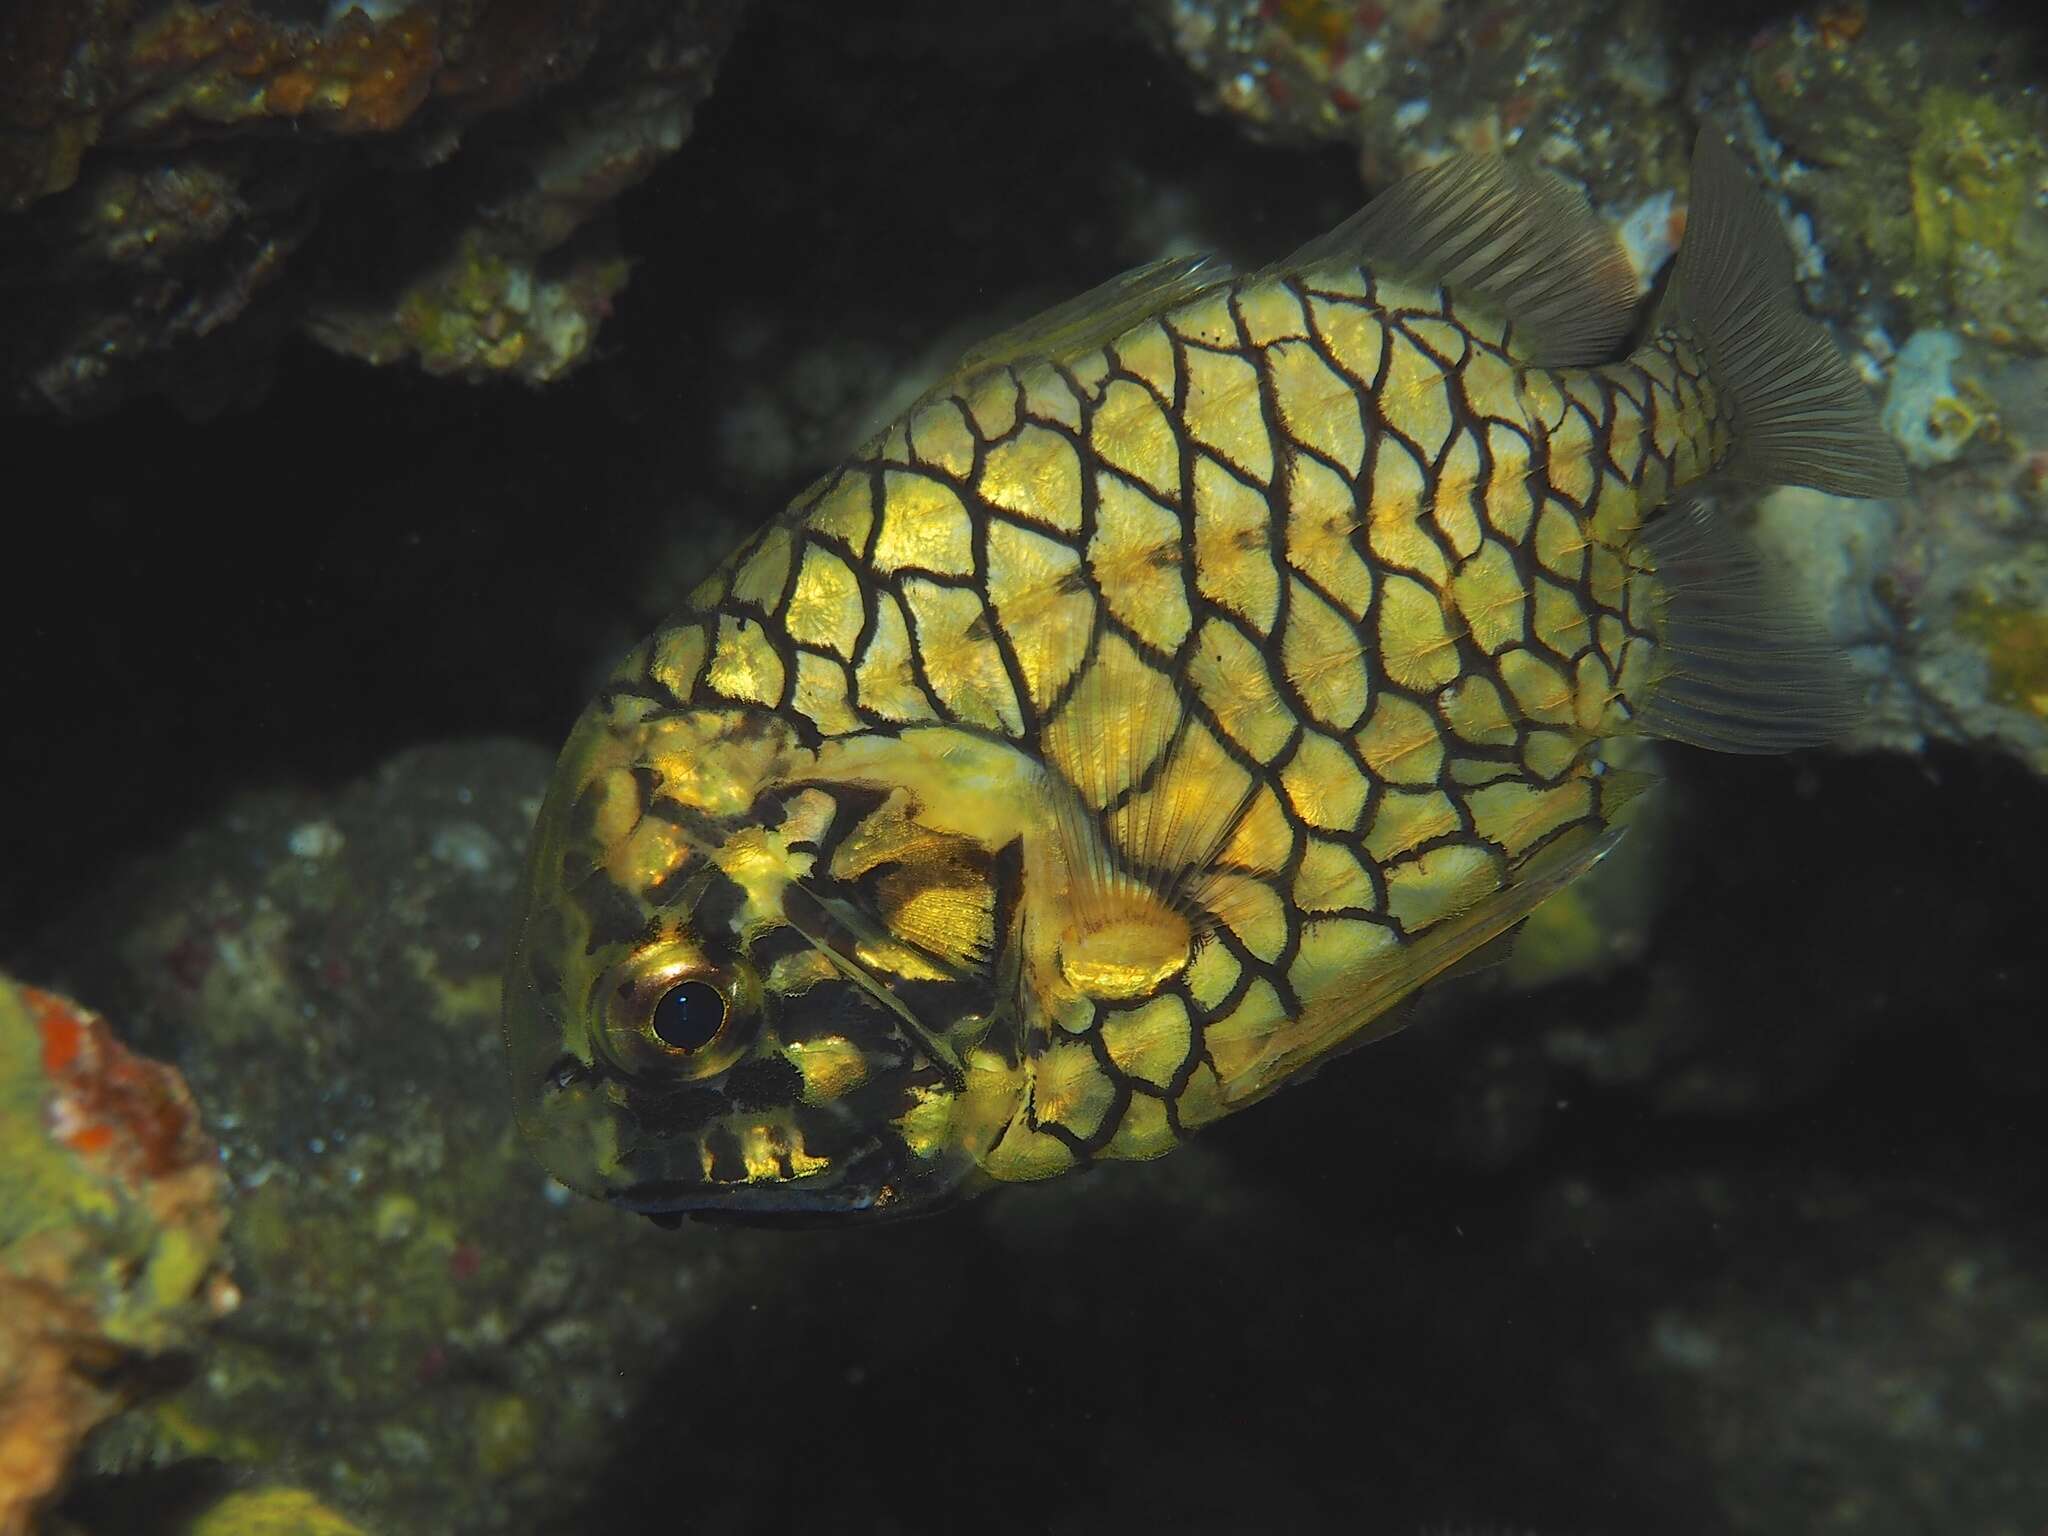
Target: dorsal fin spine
column 1520, row 241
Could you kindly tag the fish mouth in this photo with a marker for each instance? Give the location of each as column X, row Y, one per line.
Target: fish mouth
column 862, row 1183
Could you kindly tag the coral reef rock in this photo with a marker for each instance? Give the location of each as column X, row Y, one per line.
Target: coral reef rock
column 182, row 186
column 272, row 1512
column 111, row 1218
column 435, row 1337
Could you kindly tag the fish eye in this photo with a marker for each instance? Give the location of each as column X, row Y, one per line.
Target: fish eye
column 690, row 1015
column 663, row 1012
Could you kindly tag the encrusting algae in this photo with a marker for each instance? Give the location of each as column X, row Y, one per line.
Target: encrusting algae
column 112, row 1208
column 1194, row 674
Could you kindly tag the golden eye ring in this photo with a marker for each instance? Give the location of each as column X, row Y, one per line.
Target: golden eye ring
column 667, row 1013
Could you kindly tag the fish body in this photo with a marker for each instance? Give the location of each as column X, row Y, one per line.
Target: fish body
column 1172, row 691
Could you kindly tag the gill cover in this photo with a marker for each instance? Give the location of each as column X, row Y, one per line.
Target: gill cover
column 704, row 1014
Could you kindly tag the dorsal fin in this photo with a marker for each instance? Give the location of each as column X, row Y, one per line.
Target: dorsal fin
column 1519, row 240
column 1097, row 317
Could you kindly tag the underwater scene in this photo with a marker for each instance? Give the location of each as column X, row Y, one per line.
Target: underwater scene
column 914, row 766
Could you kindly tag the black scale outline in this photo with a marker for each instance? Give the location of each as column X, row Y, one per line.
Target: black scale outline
column 1201, row 607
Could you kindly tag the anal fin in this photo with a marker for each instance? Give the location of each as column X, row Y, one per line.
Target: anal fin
column 1363, row 1007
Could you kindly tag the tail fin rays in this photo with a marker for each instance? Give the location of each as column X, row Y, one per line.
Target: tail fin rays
column 1740, row 667
column 1800, row 414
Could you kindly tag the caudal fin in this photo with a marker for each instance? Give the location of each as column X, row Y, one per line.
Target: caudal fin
column 1801, row 416
column 1740, row 665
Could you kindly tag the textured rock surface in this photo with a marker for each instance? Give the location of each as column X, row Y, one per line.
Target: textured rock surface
column 271, row 1512
column 434, row 1337
column 1908, row 1339
column 1592, row 85
column 111, row 1212
column 183, row 185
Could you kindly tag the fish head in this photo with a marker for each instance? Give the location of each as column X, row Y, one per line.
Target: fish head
column 741, row 986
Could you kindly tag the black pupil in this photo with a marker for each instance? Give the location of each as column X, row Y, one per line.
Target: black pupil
column 689, row 1015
